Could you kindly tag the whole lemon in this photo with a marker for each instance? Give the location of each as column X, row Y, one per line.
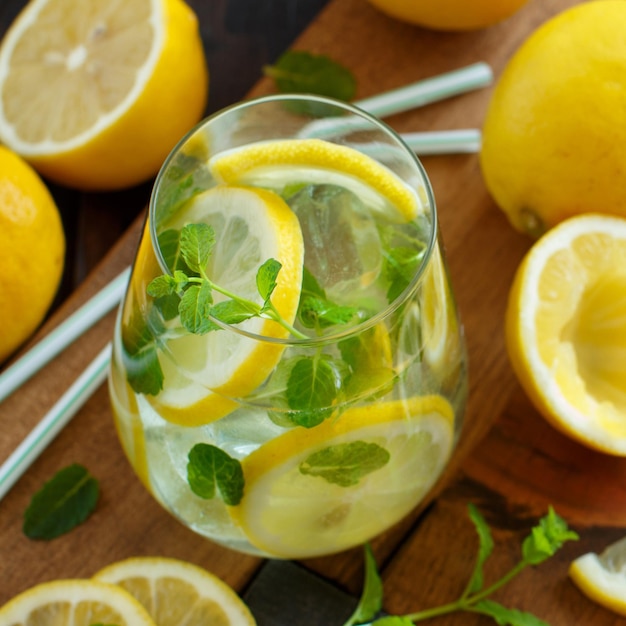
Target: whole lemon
column 455, row 15
column 95, row 94
column 554, row 137
column 33, row 249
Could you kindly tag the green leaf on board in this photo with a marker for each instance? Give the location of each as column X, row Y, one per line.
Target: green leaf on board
column 371, row 599
column 64, row 502
column 212, row 472
column 345, row 464
column 485, row 542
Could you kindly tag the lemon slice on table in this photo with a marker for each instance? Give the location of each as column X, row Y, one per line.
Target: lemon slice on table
column 74, row 603
column 176, row 592
column 566, row 329
column 602, row 578
column 206, row 371
column 275, row 164
column 290, row 512
column 95, row 94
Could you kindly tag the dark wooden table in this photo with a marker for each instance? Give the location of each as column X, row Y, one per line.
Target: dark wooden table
column 509, row 462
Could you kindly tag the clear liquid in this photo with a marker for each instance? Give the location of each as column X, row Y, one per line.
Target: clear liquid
column 415, row 352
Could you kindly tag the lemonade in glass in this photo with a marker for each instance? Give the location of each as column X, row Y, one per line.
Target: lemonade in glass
column 289, row 374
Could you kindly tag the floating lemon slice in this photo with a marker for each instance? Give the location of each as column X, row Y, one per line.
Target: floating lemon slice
column 175, row 592
column 85, row 87
column 206, row 371
column 275, row 164
column 602, row 578
column 284, row 507
column 74, row 603
column 566, row 329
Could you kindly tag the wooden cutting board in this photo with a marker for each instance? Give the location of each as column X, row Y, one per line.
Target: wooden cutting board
column 509, row 462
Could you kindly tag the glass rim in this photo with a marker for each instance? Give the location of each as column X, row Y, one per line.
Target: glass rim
column 376, row 123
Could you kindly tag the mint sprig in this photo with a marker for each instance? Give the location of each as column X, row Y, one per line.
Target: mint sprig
column 544, row 540
column 212, row 473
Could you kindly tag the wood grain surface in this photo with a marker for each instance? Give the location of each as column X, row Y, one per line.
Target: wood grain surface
column 509, row 462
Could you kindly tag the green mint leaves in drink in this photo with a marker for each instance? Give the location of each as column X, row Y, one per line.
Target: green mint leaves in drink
column 211, row 473
column 64, row 502
column 544, row 540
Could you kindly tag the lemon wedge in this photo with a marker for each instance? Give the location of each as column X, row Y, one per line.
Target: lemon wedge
column 176, row 592
column 602, row 578
column 275, row 164
column 205, row 372
column 566, row 329
column 283, row 507
column 74, row 603
column 95, row 94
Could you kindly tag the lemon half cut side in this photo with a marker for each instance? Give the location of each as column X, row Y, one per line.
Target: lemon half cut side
column 74, row 602
column 176, row 592
column 95, row 94
column 566, row 329
column 203, row 372
column 283, row 507
column 278, row 163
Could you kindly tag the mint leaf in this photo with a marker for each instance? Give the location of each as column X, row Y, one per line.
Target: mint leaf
column 211, row 471
column 181, row 182
column 233, row 312
column 401, row 265
column 393, row 620
column 507, row 617
column 139, row 354
column 64, row 502
column 266, row 278
column 546, row 538
column 371, row 600
column 195, row 308
column 196, row 244
column 312, row 388
column 169, row 244
column 485, row 549
column 345, row 464
column 301, row 72
column 162, row 286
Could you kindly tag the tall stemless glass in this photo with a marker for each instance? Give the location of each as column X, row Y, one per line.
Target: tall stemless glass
column 289, row 373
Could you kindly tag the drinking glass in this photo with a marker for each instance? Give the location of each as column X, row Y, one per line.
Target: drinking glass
column 289, row 371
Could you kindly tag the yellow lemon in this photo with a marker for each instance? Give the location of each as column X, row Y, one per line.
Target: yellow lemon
column 602, row 577
column 285, row 162
column 566, row 329
column 449, row 14
column 74, row 603
column 290, row 497
column 554, row 137
column 175, row 592
column 33, row 248
column 95, row 94
column 205, row 372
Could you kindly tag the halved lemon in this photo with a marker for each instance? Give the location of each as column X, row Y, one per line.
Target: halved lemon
column 290, row 513
column 205, row 372
column 566, row 329
column 602, row 578
column 95, row 94
column 176, row 592
column 276, row 164
column 74, row 603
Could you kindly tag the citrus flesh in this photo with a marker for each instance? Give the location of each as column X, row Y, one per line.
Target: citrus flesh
column 283, row 507
column 205, row 372
column 292, row 161
column 449, row 14
column 177, row 592
column 554, row 136
column 74, row 603
column 566, row 329
column 602, row 578
column 94, row 95
column 33, row 250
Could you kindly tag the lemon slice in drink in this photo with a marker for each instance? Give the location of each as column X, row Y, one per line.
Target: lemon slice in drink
column 602, row 578
column 275, row 164
column 290, row 512
column 566, row 329
column 251, row 226
column 95, row 94
column 74, row 603
column 175, row 592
